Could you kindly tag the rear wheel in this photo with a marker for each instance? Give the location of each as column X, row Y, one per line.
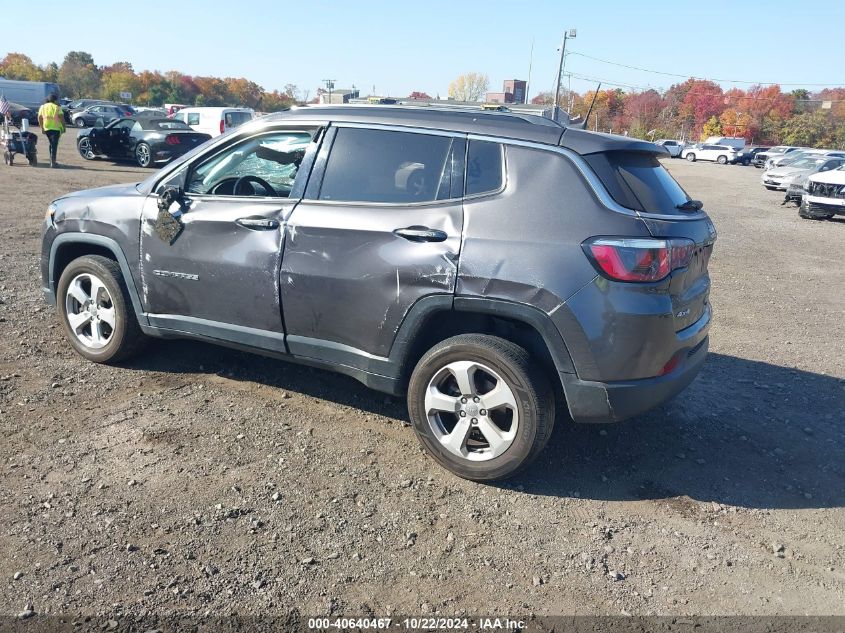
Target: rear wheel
column 691, row 157
column 80, row 122
column 480, row 407
column 143, row 155
column 722, row 160
column 96, row 312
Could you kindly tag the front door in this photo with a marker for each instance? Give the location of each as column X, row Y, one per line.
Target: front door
column 378, row 230
column 211, row 264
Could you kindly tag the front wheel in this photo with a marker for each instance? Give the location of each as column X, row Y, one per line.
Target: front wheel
column 722, row 160
column 95, row 310
column 143, row 155
column 83, row 145
column 691, row 158
column 480, row 407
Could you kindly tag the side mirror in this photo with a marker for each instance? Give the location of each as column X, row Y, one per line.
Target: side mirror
column 100, row 122
column 169, row 196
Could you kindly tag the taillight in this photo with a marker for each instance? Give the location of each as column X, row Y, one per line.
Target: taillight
column 222, row 126
column 638, row 259
column 172, row 139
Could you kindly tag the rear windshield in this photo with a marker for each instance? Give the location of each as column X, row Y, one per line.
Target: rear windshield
column 638, row 181
column 170, row 124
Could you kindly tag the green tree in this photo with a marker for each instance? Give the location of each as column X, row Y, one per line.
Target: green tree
column 113, row 83
column 811, row 129
column 78, row 75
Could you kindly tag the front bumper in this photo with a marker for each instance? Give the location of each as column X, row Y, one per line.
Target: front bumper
column 597, row 402
column 778, row 183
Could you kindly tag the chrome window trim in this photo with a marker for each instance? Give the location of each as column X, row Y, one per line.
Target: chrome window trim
column 493, row 192
column 399, row 128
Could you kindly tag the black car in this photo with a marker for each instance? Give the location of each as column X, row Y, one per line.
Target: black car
column 146, row 141
column 19, row 112
column 747, row 155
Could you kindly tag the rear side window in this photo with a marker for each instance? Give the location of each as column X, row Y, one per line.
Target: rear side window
column 638, row 181
column 234, row 119
column 388, row 167
column 485, row 167
column 193, row 118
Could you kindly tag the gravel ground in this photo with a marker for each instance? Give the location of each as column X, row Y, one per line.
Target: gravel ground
column 201, row 480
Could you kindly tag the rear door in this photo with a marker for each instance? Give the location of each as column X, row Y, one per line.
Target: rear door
column 378, row 230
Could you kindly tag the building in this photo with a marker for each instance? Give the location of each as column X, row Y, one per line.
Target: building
column 337, row 95
column 513, row 91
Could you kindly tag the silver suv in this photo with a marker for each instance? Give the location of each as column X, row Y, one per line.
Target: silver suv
column 487, row 265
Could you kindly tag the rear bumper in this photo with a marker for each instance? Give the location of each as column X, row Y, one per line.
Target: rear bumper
column 598, row 402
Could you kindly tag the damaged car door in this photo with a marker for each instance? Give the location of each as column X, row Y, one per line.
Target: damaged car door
column 213, row 234
column 378, row 229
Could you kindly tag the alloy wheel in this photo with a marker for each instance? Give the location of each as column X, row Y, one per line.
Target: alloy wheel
column 471, row 411
column 90, row 311
column 85, row 149
column 142, row 153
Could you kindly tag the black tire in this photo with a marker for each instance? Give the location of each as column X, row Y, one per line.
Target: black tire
column 804, row 212
column 80, row 122
column 691, row 157
column 143, row 155
column 126, row 339
column 532, row 392
column 83, row 146
column 722, row 160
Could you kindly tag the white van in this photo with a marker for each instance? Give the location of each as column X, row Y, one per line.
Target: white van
column 737, row 142
column 214, row 121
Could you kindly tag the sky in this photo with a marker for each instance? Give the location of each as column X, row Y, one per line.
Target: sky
column 396, row 47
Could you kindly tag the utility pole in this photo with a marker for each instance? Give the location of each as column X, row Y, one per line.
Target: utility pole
column 530, row 64
column 329, row 86
column 567, row 35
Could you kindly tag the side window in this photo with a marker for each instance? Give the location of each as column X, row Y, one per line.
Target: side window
column 485, row 167
column 272, row 158
column 193, row 118
column 388, row 167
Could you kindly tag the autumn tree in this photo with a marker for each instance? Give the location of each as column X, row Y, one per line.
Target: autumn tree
column 734, row 123
column 711, row 127
column 20, row 67
column 78, row 75
column 469, row 87
column 544, row 98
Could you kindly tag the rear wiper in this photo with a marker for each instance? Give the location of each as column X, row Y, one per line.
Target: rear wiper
column 690, row 205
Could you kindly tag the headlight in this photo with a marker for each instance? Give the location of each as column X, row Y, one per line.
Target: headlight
column 51, row 212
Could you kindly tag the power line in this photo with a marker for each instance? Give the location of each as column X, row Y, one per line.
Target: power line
column 688, row 76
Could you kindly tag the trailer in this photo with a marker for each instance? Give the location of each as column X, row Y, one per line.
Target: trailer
column 30, row 94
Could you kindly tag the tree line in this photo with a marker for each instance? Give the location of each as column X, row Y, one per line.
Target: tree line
column 696, row 109
column 79, row 76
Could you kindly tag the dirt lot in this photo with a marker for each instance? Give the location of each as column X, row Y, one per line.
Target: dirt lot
column 202, row 480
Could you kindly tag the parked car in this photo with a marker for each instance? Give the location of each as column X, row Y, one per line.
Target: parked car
column 722, row 154
column 146, row 141
column 823, row 195
column 18, row 112
column 745, row 156
column 95, row 114
column 787, row 159
column 81, row 104
column 780, row 178
column 214, row 121
column 672, row 146
column 760, row 159
column 381, row 242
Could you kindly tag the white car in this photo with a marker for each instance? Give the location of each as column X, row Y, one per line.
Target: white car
column 788, row 159
column 214, row 121
column 824, row 195
column 780, row 178
column 722, row 154
column 672, row 146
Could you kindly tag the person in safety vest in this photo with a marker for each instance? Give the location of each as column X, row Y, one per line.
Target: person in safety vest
column 52, row 122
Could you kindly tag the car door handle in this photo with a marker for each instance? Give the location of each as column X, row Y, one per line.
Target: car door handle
column 421, row 234
column 258, row 223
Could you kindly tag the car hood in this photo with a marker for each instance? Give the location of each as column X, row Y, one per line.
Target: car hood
column 105, row 192
column 835, row 177
column 786, row 170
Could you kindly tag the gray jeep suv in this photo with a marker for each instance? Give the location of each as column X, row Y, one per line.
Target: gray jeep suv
column 485, row 264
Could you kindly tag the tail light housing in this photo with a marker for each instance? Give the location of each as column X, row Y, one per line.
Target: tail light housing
column 172, row 139
column 222, row 126
column 638, row 259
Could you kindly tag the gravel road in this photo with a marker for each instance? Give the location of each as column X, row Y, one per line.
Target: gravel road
column 197, row 479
